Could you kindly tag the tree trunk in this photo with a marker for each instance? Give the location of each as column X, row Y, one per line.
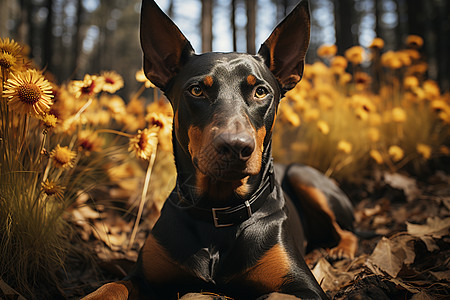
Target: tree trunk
column 251, row 25
column 207, row 35
column 343, row 16
column 47, row 46
column 233, row 24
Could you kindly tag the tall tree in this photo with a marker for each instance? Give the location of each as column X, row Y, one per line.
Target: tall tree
column 251, row 25
column 344, row 19
column 233, row 24
column 207, row 35
column 47, row 46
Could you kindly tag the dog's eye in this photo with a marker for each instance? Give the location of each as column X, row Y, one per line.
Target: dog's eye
column 196, row 91
column 261, row 92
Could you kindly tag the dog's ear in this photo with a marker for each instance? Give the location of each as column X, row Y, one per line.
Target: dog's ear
column 165, row 48
column 285, row 49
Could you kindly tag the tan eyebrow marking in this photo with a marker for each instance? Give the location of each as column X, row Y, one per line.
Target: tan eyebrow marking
column 208, row 81
column 251, row 80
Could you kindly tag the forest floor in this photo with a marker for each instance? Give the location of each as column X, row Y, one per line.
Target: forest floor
column 405, row 253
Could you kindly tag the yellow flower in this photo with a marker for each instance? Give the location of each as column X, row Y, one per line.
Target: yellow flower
column 144, row 142
column 345, row 78
column 444, row 116
column 377, row 43
column 311, row 114
column 115, row 104
column 396, row 153
column 373, row 134
column 288, row 115
column 398, row 115
column 63, row 157
column 391, row 60
column 323, row 127
column 424, row 150
column 414, row 41
column 140, row 77
column 444, row 150
column 89, row 141
column 338, row 64
column 431, row 89
column 89, row 86
column 11, row 47
column 29, row 92
column 111, row 81
column 49, row 121
column 327, row 50
column 361, row 113
column 355, row 55
column 362, row 80
column 344, row 146
column 376, row 156
column 51, row 188
column 325, row 102
column 410, row 82
column 7, row 61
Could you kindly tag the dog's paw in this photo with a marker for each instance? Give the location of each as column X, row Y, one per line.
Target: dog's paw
column 346, row 248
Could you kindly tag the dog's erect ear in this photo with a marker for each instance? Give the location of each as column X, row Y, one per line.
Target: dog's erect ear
column 285, row 49
column 165, row 48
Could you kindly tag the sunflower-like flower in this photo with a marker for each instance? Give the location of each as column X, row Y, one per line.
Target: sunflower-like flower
column 323, row 127
column 88, row 87
column 144, row 142
column 140, row 77
column 111, row 81
column 396, row 153
column 338, row 64
column 355, row 55
column 376, row 156
column 398, row 115
column 414, row 41
column 89, row 141
column 51, row 188
column 11, row 47
column 377, row 43
column 7, row 61
column 424, row 150
column 49, row 120
column 327, row 51
column 29, row 92
column 63, row 157
column 344, row 146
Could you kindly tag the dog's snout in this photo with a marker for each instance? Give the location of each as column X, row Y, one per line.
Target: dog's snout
column 235, row 146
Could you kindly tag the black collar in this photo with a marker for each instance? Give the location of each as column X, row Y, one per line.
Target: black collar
column 229, row 216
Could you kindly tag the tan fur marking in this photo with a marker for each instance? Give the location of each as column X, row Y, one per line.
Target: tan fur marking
column 195, row 140
column 208, row 81
column 251, row 80
column 348, row 243
column 271, row 270
column 254, row 163
column 158, row 266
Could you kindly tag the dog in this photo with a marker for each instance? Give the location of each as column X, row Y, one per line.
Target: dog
column 235, row 224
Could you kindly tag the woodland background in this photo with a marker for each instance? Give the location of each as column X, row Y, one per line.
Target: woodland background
column 73, row 37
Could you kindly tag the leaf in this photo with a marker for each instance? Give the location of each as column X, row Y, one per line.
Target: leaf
column 403, row 183
column 329, row 277
column 390, row 255
column 422, row 296
column 435, row 227
column 441, row 275
column 429, row 243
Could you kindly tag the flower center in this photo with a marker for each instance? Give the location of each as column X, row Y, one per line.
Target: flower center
column 110, row 80
column 29, row 93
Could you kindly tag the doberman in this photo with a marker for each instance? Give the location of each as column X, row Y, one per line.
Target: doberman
column 229, row 227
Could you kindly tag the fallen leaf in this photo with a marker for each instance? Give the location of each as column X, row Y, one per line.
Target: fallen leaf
column 430, row 243
column 329, row 277
column 406, row 184
column 390, row 255
column 441, row 275
column 434, row 227
column 421, row 296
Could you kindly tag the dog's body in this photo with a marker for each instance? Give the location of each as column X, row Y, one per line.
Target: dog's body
column 228, row 227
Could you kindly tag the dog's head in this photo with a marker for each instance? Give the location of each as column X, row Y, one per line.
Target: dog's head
column 224, row 104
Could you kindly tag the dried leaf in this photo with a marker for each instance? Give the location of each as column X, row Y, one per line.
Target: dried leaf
column 406, row 184
column 429, row 243
column 329, row 277
column 390, row 255
column 434, row 227
column 422, row 296
column 441, row 275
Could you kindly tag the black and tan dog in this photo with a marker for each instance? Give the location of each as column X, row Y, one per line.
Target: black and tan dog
column 228, row 227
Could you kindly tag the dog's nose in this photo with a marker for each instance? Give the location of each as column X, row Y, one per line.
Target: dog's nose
column 232, row 146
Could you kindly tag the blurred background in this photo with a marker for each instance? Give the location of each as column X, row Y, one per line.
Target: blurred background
column 73, row 37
